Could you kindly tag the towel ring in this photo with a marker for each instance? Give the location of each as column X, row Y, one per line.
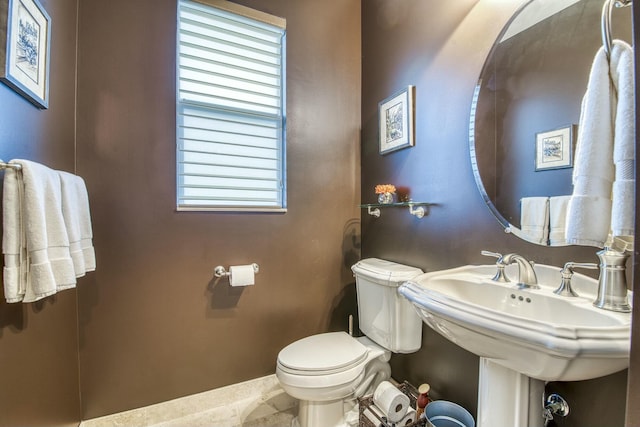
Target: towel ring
column 606, row 22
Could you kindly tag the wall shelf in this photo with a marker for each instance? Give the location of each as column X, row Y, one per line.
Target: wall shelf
column 417, row 209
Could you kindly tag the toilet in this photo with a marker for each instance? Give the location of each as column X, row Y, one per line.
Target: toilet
column 327, row 372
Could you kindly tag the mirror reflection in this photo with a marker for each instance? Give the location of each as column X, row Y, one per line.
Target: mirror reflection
column 527, row 105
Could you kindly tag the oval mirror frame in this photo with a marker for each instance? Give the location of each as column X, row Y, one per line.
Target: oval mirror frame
column 562, row 101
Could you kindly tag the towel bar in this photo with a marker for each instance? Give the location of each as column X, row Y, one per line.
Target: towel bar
column 4, row 165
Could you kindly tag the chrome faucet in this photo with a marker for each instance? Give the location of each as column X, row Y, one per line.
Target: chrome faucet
column 526, row 275
column 500, row 275
column 565, row 288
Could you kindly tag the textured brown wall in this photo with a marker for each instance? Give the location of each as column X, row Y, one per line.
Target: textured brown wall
column 39, row 341
column 154, row 324
column 440, row 47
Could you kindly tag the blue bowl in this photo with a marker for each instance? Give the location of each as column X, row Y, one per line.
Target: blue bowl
column 441, row 413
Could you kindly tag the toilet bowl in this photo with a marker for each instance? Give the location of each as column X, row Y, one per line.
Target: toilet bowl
column 327, row 372
column 323, row 370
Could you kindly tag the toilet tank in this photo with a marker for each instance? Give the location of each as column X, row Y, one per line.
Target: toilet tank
column 384, row 315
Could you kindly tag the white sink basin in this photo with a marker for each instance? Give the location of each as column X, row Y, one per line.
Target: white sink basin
column 534, row 332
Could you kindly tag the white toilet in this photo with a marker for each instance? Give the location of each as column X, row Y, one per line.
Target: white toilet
column 326, row 372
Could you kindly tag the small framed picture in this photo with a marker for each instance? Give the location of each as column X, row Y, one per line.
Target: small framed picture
column 25, row 40
column 554, row 149
column 396, row 121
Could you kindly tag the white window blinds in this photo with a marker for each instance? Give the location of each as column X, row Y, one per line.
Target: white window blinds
column 230, row 110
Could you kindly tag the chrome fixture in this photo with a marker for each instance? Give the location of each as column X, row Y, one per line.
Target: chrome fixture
column 567, row 272
column 4, row 165
column 606, row 22
column 500, row 274
column 220, row 271
column 375, row 212
column 526, row 275
column 554, row 405
column 418, row 212
column 612, row 284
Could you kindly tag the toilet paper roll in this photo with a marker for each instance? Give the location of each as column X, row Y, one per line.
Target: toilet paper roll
column 391, row 401
column 241, row 275
column 409, row 418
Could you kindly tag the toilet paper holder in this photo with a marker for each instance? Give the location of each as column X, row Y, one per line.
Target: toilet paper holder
column 220, row 271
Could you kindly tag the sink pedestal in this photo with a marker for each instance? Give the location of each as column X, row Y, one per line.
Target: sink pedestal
column 507, row 398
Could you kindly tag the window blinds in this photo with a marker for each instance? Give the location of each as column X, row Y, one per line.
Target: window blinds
column 230, row 111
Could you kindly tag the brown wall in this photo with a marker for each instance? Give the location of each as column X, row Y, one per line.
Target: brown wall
column 440, row 48
column 154, row 324
column 39, row 341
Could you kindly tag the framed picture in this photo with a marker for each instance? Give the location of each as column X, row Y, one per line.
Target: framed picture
column 554, row 149
column 25, row 40
column 396, row 121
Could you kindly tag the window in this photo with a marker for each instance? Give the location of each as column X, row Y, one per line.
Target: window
column 230, row 108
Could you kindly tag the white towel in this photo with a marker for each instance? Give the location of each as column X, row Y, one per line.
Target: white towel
column 534, row 219
column 77, row 218
column 622, row 76
column 603, row 120
column 13, row 237
column 557, row 220
column 50, row 267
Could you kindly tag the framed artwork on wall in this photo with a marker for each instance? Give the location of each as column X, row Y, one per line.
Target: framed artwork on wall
column 396, row 121
column 554, row 149
column 25, row 40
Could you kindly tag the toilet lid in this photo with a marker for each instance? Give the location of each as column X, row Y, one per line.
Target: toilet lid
column 333, row 351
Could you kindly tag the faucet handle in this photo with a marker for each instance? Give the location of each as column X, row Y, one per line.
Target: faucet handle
column 493, row 254
column 567, row 273
column 568, row 267
column 500, row 274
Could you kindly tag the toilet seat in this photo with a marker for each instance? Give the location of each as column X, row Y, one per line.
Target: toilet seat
column 322, row 354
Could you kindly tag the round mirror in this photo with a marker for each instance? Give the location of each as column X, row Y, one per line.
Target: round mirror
column 527, row 102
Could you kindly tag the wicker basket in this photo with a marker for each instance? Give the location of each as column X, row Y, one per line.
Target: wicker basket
column 366, row 401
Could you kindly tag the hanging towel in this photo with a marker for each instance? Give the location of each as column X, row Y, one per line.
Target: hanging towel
column 557, row 220
column 50, row 267
column 77, row 218
column 534, row 219
column 622, row 76
column 14, row 274
column 603, row 120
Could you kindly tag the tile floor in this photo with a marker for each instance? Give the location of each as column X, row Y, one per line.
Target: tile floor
column 256, row 403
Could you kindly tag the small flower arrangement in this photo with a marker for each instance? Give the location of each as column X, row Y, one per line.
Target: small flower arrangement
column 385, row 193
column 385, row 188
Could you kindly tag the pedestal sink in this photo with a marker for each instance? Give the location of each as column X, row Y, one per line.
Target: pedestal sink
column 524, row 337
